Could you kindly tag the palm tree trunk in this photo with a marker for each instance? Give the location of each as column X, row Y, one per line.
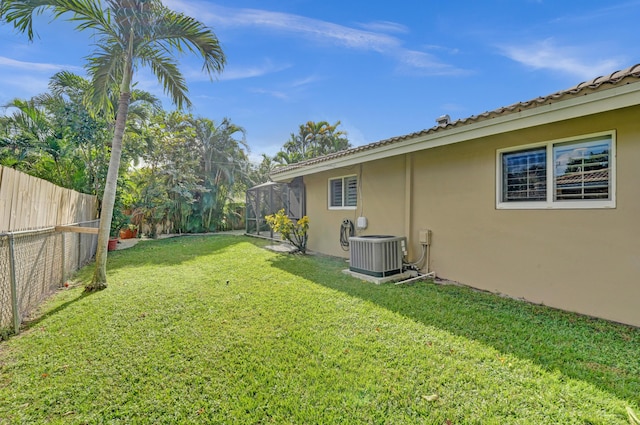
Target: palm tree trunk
column 99, row 280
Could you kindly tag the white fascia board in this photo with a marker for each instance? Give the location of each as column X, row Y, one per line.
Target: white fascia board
column 587, row 104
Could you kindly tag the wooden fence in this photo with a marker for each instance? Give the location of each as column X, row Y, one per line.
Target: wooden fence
column 36, row 257
column 27, row 202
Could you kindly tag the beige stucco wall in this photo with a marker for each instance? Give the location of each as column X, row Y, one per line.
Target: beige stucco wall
column 381, row 200
column 585, row 260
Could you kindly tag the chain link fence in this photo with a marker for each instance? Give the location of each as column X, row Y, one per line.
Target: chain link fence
column 33, row 264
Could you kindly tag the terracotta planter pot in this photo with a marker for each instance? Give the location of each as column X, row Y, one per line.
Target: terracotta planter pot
column 113, row 244
column 128, row 233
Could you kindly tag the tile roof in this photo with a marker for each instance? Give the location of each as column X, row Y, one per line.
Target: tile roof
column 626, row 76
column 586, row 177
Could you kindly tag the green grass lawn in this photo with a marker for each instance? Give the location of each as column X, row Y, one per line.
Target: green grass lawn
column 218, row 330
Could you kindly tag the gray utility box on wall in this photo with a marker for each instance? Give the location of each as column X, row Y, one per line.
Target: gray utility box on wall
column 377, row 255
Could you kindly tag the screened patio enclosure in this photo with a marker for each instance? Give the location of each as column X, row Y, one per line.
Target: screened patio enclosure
column 269, row 198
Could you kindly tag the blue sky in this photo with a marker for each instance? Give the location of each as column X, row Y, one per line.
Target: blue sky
column 383, row 68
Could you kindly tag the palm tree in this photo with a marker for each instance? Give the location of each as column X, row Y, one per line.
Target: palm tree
column 259, row 172
column 222, row 158
column 313, row 139
column 88, row 131
column 85, row 132
column 324, row 138
column 16, row 138
column 33, row 131
column 129, row 33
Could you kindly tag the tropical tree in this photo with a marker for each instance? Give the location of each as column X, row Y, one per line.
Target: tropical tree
column 313, row 139
column 259, row 173
column 85, row 133
column 57, row 136
column 223, row 163
column 175, row 156
column 150, row 195
column 38, row 138
column 129, row 34
column 196, row 165
column 25, row 132
column 323, row 138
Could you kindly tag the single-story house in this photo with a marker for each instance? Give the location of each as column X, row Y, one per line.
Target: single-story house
column 539, row 200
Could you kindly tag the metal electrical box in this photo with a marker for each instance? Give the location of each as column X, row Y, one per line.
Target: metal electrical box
column 424, row 237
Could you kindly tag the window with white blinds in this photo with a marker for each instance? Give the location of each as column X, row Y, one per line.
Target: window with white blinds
column 343, row 192
column 570, row 173
column 524, row 175
column 582, row 170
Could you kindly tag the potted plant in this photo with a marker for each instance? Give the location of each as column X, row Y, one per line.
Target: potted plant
column 130, row 231
column 112, row 245
column 118, row 221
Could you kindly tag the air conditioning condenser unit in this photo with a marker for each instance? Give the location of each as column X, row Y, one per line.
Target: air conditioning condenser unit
column 377, row 255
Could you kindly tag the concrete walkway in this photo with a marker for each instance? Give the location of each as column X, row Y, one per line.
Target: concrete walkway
column 129, row 243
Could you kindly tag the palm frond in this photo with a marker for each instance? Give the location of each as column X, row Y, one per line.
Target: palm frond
column 20, row 13
column 105, row 70
column 153, row 31
column 66, row 82
column 142, row 96
column 86, row 13
column 142, row 106
column 182, row 32
column 166, row 69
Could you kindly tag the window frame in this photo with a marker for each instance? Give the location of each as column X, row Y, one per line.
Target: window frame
column 550, row 202
column 342, row 197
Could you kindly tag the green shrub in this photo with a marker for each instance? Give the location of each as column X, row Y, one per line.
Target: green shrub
column 294, row 232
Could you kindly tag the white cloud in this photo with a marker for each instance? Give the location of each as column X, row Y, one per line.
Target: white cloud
column 385, row 26
column 28, row 78
column 289, row 90
column 268, row 148
column 272, row 93
column 413, row 61
column 374, row 39
column 26, row 83
column 225, row 17
column 546, row 54
column 448, row 50
column 307, row 27
column 597, row 14
column 236, row 73
column 305, row 81
column 354, row 134
column 35, row 66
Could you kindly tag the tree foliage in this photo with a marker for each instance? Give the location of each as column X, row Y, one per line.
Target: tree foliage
column 193, row 169
column 129, row 34
column 178, row 173
column 55, row 137
column 312, row 140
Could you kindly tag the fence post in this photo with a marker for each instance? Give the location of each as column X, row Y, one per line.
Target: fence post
column 64, row 260
column 14, row 286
